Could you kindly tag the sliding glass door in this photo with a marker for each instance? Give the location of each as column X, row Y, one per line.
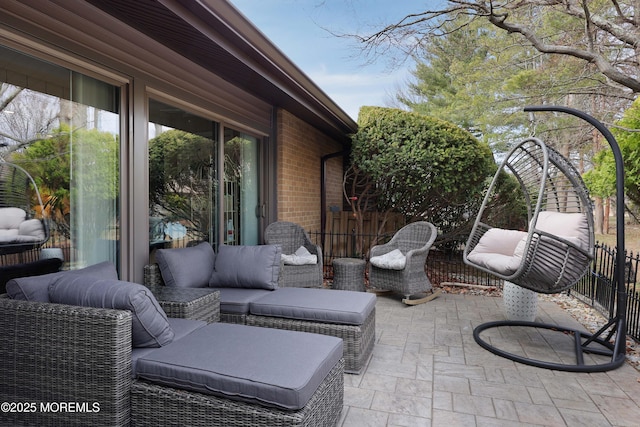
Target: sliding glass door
column 187, row 162
column 63, row 127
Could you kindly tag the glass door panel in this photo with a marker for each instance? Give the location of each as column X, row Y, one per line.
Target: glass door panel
column 182, row 177
column 242, row 188
column 63, row 127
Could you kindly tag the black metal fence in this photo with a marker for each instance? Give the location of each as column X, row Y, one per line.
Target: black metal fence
column 445, row 265
column 597, row 288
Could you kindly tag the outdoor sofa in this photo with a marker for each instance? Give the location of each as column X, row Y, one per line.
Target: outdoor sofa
column 82, row 348
column 247, row 278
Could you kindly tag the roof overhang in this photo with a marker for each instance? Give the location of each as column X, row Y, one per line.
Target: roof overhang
column 216, row 36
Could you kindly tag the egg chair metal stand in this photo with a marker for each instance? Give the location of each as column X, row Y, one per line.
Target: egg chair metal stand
column 560, row 252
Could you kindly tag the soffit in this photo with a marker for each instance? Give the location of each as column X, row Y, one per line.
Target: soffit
column 216, row 36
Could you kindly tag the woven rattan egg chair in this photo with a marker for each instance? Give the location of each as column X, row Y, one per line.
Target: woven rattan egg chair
column 20, row 231
column 555, row 251
column 558, row 247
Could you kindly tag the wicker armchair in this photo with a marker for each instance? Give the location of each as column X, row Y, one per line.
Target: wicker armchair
column 53, row 353
column 414, row 241
column 291, row 237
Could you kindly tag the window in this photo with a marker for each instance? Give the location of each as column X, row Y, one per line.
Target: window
column 63, row 128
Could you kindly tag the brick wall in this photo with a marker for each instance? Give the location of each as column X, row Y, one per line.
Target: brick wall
column 300, row 149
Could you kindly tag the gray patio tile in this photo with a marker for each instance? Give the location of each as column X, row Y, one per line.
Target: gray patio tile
column 427, row 370
column 561, row 387
column 514, row 375
column 443, row 400
column 546, row 415
column 424, row 372
column 619, row 412
column 576, row 418
column 392, row 368
column 517, row 393
column 496, row 422
column 505, row 410
column 539, row 396
column 372, row 381
column 387, row 352
column 395, row 338
column 399, row 420
column 453, row 419
column 600, row 384
column 414, row 387
column 474, row 405
column 459, row 370
column 402, row 404
column 358, row 397
column 357, row 417
column 451, row 384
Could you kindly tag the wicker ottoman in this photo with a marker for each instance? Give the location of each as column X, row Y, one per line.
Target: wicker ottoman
column 239, row 375
column 348, row 274
column 343, row 314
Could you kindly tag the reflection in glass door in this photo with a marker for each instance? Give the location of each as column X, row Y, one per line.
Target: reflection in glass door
column 182, row 177
column 241, row 188
column 63, row 128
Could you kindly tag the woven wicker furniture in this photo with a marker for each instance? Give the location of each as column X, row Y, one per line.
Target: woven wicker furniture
column 557, row 249
column 189, row 303
column 66, row 353
column 414, row 241
column 153, row 406
column 59, row 353
column 358, row 339
column 290, row 237
column 348, row 274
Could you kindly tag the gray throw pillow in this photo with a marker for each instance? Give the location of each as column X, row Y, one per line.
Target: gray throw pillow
column 256, row 267
column 149, row 326
column 186, row 267
column 36, row 288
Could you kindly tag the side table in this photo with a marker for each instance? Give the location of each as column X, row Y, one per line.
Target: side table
column 348, row 274
column 188, row 303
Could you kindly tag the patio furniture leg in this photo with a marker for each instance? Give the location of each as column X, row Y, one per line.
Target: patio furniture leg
column 434, row 294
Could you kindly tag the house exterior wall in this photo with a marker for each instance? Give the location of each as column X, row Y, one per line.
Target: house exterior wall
column 71, row 34
column 300, row 150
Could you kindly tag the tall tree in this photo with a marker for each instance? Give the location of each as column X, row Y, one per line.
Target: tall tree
column 604, row 34
column 477, row 77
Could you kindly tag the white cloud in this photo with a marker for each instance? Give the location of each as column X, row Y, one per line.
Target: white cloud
column 354, row 90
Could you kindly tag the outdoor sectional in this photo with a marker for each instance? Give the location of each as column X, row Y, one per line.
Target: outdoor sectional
column 247, row 279
column 83, row 348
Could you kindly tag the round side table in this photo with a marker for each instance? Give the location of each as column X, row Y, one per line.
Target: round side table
column 348, row 274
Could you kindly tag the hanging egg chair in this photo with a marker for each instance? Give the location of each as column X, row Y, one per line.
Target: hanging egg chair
column 554, row 251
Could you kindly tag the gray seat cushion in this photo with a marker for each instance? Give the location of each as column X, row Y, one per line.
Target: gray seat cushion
column 267, row 366
column 36, row 288
column 187, row 267
column 237, row 300
column 181, row 328
column 149, row 324
column 318, row 305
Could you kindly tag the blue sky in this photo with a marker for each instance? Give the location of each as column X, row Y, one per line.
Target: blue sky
column 299, row 29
